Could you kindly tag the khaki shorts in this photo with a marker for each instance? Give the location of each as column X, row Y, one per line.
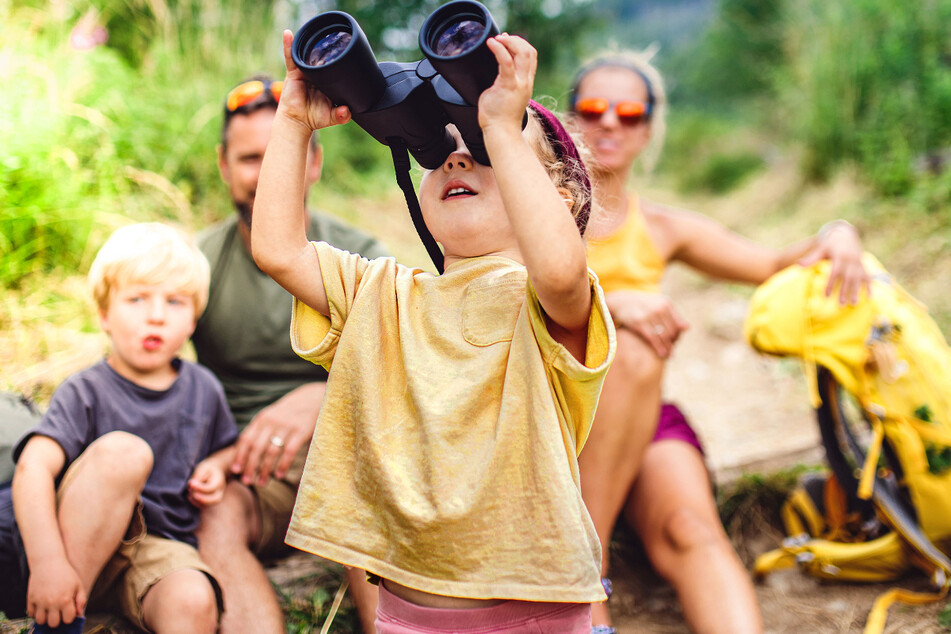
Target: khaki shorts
column 276, row 504
column 141, row 561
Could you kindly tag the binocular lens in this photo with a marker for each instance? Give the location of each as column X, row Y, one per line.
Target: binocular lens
column 328, row 48
column 458, row 37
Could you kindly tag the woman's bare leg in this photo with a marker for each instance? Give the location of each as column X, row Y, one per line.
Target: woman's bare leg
column 673, row 510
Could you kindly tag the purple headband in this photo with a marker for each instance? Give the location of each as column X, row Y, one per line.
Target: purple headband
column 567, row 152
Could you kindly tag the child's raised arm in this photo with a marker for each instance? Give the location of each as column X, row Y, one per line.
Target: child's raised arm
column 552, row 248
column 278, row 235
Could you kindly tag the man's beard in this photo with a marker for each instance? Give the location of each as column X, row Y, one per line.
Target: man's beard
column 244, row 212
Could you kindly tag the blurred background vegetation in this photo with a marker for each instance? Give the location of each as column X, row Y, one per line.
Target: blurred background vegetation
column 112, row 111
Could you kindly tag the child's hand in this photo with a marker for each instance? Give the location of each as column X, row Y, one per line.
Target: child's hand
column 206, row 487
column 302, row 102
column 506, row 99
column 55, row 594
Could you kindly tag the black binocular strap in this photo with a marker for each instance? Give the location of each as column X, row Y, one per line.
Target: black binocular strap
column 402, row 165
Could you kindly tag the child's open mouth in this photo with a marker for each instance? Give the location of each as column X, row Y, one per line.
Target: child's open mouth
column 152, row 342
column 457, row 189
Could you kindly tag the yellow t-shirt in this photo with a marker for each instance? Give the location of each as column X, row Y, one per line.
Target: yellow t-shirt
column 445, row 452
column 627, row 259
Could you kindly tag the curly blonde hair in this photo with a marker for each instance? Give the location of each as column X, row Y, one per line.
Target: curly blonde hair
column 565, row 172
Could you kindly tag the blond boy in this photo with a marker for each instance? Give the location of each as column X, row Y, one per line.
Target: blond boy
column 108, row 487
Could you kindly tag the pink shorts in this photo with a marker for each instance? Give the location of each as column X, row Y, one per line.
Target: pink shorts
column 673, row 425
column 398, row 616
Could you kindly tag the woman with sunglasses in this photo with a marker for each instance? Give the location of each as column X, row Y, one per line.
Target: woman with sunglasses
column 642, row 458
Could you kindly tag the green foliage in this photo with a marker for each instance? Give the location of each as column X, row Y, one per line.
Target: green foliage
column 7, row 624
column 756, row 495
column 101, row 135
column 938, row 457
column 721, row 173
column 706, row 153
column 858, row 82
column 59, row 168
column 306, row 613
column 932, row 192
column 737, row 55
column 869, row 82
column 944, row 618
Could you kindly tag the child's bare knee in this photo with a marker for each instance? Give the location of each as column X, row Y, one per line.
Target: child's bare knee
column 125, row 455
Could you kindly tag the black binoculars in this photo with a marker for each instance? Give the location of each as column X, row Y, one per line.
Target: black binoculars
column 407, row 102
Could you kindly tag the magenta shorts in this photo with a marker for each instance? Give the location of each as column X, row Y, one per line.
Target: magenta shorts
column 673, row 425
column 398, row 616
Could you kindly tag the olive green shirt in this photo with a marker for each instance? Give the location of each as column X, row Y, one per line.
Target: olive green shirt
column 243, row 335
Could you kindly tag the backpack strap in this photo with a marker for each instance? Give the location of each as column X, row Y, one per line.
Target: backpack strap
column 875, row 623
column 800, row 514
column 874, row 452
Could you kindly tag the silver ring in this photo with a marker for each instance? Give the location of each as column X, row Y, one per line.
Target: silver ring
column 277, row 441
column 659, row 330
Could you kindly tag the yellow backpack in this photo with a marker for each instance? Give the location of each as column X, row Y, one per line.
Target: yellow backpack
column 879, row 374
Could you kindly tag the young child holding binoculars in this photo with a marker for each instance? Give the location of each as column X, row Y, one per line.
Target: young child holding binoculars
column 444, row 460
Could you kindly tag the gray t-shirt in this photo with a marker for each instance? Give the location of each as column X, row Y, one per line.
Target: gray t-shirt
column 244, row 334
column 183, row 425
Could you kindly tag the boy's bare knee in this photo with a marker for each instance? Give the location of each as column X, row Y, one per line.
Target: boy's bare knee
column 125, row 455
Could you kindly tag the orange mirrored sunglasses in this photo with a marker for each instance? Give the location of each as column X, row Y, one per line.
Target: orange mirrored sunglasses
column 249, row 91
column 629, row 112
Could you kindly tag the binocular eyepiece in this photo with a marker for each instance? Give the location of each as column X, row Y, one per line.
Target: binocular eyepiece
column 408, row 102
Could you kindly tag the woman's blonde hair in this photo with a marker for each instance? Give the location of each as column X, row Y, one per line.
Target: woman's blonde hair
column 638, row 62
column 149, row 253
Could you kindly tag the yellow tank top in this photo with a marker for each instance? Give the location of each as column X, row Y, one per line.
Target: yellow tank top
column 627, row 259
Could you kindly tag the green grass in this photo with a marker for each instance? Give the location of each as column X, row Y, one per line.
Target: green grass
column 754, row 498
column 944, row 619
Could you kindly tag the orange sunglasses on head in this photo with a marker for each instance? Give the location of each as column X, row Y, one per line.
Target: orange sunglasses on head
column 249, row 91
column 628, row 112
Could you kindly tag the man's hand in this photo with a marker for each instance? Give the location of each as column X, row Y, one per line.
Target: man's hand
column 269, row 444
